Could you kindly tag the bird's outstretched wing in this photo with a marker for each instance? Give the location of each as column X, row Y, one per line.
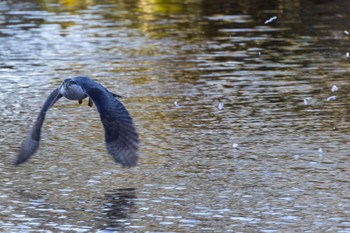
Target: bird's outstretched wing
column 31, row 143
column 120, row 133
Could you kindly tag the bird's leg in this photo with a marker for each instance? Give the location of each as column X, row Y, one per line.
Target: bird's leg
column 80, row 101
column 90, row 103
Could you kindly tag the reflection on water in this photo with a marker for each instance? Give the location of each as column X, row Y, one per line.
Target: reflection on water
column 241, row 125
column 118, row 206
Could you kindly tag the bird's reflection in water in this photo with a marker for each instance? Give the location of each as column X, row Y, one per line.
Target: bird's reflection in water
column 117, row 207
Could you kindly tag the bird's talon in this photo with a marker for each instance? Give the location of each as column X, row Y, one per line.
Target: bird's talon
column 90, row 103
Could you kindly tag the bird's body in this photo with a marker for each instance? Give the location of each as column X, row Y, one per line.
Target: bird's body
column 120, row 134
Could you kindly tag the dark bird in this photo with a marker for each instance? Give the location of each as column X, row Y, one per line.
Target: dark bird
column 121, row 137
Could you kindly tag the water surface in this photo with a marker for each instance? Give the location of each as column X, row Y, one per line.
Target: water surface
column 243, row 125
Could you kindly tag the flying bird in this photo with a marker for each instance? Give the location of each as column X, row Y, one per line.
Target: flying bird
column 121, row 137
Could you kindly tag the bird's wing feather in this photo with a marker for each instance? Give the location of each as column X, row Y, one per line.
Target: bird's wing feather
column 31, row 143
column 120, row 133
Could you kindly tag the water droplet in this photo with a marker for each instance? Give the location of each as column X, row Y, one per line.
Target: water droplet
column 234, row 145
column 320, row 153
column 307, row 100
column 347, row 54
column 220, row 105
column 333, row 97
column 176, row 104
column 346, row 32
column 334, row 88
column 270, row 19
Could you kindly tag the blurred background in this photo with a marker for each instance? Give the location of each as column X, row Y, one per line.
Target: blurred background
column 242, row 108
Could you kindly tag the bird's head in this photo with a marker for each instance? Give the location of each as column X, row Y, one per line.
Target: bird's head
column 69, row 83
column 72, row 90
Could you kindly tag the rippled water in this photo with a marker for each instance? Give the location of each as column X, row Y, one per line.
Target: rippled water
column 244, row 121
